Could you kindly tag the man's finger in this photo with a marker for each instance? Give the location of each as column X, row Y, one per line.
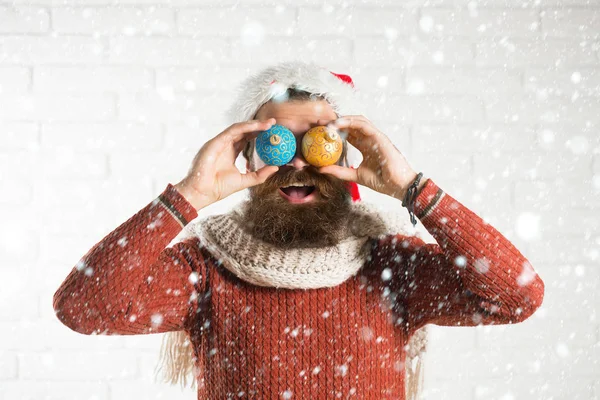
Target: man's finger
column 365, row 137
column 242, row 131
column 237, row 131
column 253, row 178
column 344, row 173
column 324, row 122
column 356, row 126
column 361, row 142
column 357, row 117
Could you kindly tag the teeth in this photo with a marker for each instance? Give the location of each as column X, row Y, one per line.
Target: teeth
column 298, row 184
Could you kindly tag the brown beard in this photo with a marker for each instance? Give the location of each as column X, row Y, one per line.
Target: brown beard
column 323, row 222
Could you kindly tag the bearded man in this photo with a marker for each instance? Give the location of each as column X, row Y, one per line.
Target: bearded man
column 302, row 290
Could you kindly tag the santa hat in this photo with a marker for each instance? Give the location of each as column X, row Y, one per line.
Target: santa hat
column 337, row 89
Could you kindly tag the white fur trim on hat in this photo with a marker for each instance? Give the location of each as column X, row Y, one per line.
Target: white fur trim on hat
column 273, row 81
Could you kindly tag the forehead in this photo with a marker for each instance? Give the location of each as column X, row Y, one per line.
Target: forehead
column 297, row 115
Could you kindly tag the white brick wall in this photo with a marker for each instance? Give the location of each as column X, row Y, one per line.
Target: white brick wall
column 103, row 102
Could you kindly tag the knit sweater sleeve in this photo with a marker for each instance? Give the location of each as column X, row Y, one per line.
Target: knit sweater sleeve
column 129, row 283
column 473, row 275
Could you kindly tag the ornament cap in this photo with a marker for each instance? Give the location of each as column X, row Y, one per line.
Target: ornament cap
column 331, row 135
column 275, row 140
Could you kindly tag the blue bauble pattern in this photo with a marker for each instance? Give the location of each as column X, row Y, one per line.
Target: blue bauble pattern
column 279, row 154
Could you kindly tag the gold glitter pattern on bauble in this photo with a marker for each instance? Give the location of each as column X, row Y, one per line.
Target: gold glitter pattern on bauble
column 320, row 147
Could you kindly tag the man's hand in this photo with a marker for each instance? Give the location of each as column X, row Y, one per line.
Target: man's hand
column 383, row 169
column 214, row 175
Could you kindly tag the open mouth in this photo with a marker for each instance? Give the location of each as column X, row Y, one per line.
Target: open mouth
column 298, row 193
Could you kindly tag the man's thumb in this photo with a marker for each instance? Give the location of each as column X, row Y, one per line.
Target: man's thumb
column 253, row 178
column 344, row 173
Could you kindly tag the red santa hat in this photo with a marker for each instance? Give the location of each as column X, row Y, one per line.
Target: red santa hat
column 337, row 89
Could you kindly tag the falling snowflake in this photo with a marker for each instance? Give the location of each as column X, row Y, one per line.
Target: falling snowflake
column 416, row 86
column 80, row 265
column 382, row 81
column 390, row 33
column 460, row 261
column 366, row 333
column 528, row 226
column 438, row 57
column 577, row 144
column 482, row 265
column 252, row 33
column 426, row 23
column 194, row 278
column 341, row 370
column 546, row 137
column 527, row 274
column 386, row 274
column 156, row 319
column 562, row 350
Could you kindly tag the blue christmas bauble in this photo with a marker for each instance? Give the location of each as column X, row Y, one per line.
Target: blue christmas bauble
column 276, row 145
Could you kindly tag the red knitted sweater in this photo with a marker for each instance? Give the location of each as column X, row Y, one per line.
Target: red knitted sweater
column 268, row 343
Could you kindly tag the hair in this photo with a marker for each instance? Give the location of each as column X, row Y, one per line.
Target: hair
column 177, row 356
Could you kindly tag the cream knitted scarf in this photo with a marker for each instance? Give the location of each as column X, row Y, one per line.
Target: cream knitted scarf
column 265, row 264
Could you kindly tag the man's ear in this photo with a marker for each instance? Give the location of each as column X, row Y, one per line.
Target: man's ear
column 247, row 155
column 343, row 160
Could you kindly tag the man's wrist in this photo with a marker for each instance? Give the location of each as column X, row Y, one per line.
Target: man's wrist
column 401, row 193
column 421, row 184
column 192, row 196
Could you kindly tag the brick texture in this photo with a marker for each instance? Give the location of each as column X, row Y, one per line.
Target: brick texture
column 103, row 102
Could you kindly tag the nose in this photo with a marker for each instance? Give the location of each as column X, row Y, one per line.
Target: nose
column 298, row 162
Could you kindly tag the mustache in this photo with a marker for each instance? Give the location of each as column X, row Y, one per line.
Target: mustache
column 327, row 185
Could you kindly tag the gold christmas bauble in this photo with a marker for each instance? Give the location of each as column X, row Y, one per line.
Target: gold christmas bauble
column 322, row 146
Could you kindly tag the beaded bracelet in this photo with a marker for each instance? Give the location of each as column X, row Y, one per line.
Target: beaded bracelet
column 410, row 196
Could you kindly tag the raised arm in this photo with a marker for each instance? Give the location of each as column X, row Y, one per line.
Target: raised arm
column 473, row 275
column 129, row 283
